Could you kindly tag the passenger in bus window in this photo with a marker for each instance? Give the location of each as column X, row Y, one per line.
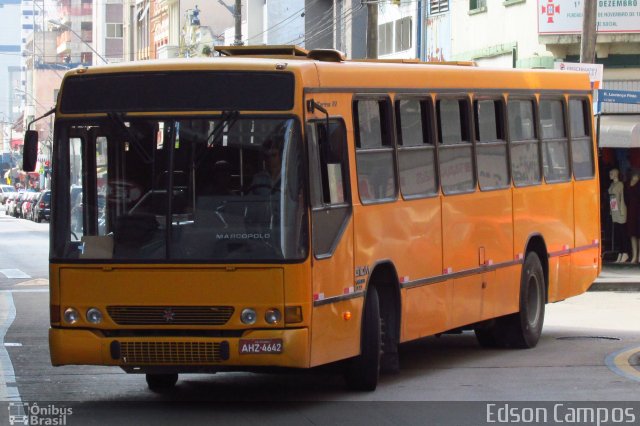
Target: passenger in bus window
column 618, row 210
column 267, row 180
column 218, row 179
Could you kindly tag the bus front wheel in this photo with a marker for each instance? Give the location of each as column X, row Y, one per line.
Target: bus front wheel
column 161, row 382
column 363, row 371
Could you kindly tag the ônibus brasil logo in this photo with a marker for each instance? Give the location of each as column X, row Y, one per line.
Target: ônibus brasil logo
column 30, row 414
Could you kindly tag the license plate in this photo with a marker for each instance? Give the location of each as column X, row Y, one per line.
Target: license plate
column 260, row 346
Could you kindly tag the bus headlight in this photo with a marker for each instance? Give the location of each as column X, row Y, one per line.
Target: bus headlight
column 248, row 316
column 94, row 316
column 71, row 315
column 272, row 316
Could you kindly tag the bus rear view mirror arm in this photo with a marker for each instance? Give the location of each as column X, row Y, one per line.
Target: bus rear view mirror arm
column 30, row 150
column 312, row 105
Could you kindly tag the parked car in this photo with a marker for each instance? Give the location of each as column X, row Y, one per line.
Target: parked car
column 5, row 190
column 42, row 208
column 28, row 203
column 10, row 202
column 17, row 208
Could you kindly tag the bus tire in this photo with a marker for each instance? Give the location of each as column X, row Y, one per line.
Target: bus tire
column 161, row 382
column 363, row 371
column 523, row 329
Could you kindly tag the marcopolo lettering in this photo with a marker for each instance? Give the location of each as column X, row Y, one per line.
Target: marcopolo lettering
column 243, row 236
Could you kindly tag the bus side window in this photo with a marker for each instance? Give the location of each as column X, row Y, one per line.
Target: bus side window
column 555, row 147
column 455, row 149
column 491, row 144
column 374, row 151
column 416, row 150
column 525, row 155
column 581, row 149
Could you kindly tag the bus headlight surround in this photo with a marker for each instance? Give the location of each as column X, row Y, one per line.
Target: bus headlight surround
column 248, row 316
column 71, row 315
column 94, row 316
column 272, row 316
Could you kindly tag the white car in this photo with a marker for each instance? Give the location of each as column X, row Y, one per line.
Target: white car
column 4, row 191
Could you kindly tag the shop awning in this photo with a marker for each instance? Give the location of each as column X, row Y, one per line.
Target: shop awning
column 619, row 131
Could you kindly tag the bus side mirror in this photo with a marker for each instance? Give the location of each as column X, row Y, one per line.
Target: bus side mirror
column 30, row 151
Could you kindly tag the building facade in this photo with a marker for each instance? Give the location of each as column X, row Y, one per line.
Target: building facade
column 108, row 30
column 10, row 66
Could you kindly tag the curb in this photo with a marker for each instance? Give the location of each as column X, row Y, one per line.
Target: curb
column 630, row 287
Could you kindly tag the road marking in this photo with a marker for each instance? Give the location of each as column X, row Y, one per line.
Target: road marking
column 12, row 345
column 618, row 362
column 26, row 290
column 37, row 281
column 14, row 273
column 8, row 385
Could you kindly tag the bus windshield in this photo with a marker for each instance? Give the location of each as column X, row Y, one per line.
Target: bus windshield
column 228, row 188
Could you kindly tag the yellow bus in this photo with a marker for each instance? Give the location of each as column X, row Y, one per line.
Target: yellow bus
column 275, row 207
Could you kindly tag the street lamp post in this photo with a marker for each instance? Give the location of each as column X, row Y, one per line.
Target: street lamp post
column 60, row 24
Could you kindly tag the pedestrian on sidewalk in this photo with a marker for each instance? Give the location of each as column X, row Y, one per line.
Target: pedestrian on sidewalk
column 618, row 211
column 632, row 199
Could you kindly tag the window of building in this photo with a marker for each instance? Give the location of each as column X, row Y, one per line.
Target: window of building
column 374, row 151
column 581, row 149
column 438, row 6
column 395, row 36
column 416, row 150
column 525, row 153
column 385, row 38
column 455, row 150
column 491, row 144
column 114, row 30
column 403, row 34
column 477, row 4
column 555, row 147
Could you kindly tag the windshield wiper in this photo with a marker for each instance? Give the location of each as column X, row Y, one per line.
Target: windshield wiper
column 227, row 119
column 118, row 119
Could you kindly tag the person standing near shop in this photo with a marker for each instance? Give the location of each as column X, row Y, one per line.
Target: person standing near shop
column 618, row 210
column 632, row 200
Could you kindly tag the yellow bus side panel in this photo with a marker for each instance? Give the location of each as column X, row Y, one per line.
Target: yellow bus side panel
column 546, row 210
column 477, row 232
column 428, row 310
column 501, row 293
column 425, row 309
column 332, row 337
column 585, row 263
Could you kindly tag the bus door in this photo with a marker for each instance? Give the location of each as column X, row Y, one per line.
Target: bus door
column 88, row 175
column 332, row 242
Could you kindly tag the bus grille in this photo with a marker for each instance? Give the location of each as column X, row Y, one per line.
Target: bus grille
column 170, row 315
column 169, row 352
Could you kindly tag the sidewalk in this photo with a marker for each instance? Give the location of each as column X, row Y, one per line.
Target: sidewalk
column 618, row 277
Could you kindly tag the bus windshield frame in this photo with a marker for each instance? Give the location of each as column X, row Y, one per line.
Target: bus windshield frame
column 237, row 183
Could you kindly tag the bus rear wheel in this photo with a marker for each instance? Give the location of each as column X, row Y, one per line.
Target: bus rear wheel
column 161, row 382
column 363, row 371
column 522, row 329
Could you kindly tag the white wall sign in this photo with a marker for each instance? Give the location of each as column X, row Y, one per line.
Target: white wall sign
column 565, row 16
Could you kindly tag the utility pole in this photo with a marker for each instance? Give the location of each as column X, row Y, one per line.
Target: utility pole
column 237, row 15
column 372, row 29
column 588, row 39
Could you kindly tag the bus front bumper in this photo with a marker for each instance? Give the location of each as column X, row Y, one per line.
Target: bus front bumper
column 256, row 348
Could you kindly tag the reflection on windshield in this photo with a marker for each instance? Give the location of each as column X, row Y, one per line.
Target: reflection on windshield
column 229, row 188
